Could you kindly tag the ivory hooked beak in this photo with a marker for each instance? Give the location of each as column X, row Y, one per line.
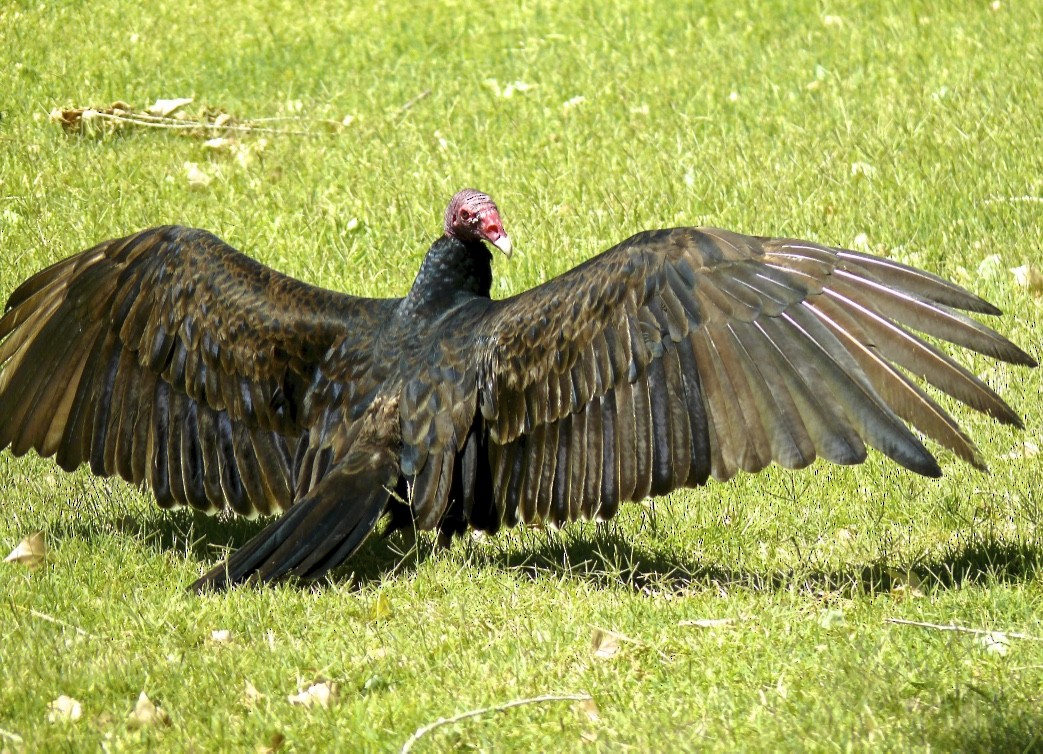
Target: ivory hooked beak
column 503, row 243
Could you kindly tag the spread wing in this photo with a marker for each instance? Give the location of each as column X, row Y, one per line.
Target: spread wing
column 170, row 359
column 688, row 353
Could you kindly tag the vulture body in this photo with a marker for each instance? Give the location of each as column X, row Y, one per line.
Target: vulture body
column 172, row 360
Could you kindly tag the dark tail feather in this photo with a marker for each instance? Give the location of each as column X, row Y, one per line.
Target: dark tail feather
column 318, row 533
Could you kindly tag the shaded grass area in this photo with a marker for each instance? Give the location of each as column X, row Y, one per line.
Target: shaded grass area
column 910, row 129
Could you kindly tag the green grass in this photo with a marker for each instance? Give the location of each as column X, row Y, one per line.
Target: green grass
column 942, row 102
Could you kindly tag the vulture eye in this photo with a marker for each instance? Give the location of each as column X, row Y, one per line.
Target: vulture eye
column 465, row 214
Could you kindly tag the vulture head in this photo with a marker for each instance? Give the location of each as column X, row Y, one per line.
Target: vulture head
column 472, row 216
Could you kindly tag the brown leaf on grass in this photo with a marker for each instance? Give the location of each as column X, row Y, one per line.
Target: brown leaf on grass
column 1027, row 449
column 164, row 108
column 251, row 696
column 31, row 552
column 604, row 644
column 1029, row 276
column 197, row 177
column 219, row 144
column 64, row 709
column 905, row 584
column 146, row 714
column 274, row 744
column 317, row 695
column 590, row 708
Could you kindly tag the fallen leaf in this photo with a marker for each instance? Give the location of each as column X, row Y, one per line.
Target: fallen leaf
column 516, row 86
column 197, row 178
column 1027, row 449
column 219, row 144
column 863, row 169
column 1029, row 276
column 376, row 683
column 990, row 266
column 995, row 642
column 64, row 709
column 146, row 714
column 164, row 108
column 221, row 636
column 590, row 708
column 251, row 696
column 706, row 622
column 274, row 744
column 604, row 644
column 380, row 609
column 905, row 584
column 30, row 552
column 318, row 694
column 576, row 101
column 831, row 618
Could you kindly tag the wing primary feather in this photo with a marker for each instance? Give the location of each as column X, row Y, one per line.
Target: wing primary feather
column 791, row 445
column 825, row 419
column 874, row 420
column 930, row 318
column 908, row 400
column 924, row 360
column 896, row 275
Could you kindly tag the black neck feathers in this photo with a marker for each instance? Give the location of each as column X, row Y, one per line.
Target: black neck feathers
column 452, row 272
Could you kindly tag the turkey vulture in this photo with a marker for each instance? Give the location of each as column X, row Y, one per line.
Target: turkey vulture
column 174, row 361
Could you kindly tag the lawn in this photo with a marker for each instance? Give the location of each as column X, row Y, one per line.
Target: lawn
column 752, row 615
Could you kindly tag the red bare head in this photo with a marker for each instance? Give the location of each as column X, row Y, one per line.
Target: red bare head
column 472, row 215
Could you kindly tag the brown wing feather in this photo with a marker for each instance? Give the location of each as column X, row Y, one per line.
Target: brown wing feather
column 701, row 351
column 169, row 358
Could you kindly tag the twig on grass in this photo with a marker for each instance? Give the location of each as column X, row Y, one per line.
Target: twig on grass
column 962, row 629
column 189, row 125
column 423, row 95
column 56, row 621
column 425, row 729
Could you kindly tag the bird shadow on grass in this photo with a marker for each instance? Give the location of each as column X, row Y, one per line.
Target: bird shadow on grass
column 611, row 561
column 600, row 556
